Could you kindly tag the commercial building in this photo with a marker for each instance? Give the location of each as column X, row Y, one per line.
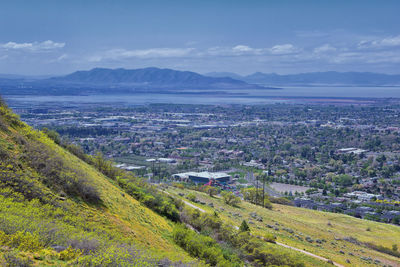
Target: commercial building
column 203, row 177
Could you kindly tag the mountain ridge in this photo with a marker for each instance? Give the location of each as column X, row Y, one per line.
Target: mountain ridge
column 122, row 81
column 318, row 78
column 145, row 75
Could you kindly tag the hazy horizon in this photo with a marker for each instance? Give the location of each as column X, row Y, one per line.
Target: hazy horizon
column 58, row 37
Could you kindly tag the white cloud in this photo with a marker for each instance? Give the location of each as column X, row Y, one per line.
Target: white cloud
column 120, row 54
column 217, row 51
column 35, row 46
column 62, row 57
column 283, row 49
column 238, row 50
column 13, row 45
column 326, row 48
column 243, row 48
column 393, row 41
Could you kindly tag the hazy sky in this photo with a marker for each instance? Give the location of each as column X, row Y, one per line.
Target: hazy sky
column 57, row 36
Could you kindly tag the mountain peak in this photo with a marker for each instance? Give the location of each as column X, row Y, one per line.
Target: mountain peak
column 150, row 76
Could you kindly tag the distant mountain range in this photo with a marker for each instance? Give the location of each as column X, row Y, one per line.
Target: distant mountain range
column 149, row 77
column 331, row 78
column 101, row 80
column 124, row 81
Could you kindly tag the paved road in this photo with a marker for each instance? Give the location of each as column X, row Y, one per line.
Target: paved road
column 280, row 244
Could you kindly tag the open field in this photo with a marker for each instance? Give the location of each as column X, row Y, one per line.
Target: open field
column 328, row 234
column 281, row 188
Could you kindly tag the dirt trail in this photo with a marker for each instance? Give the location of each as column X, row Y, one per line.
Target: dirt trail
column 309, row 253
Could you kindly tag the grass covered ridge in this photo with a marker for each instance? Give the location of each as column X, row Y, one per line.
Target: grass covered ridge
column 334, row 236
column 50, row 199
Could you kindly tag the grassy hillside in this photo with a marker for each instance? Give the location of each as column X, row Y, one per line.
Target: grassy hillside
column 338, row 237
column 51, row 200
column 57, row 208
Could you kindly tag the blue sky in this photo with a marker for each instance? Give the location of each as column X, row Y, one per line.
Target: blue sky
column 56, row 37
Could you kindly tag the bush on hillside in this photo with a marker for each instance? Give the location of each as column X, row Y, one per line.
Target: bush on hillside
column 383, row 249
column 13, row 260
column 244, row 227
column 151, row 197
column 191, row 197
column 78, row 151
column 203, row 247
column 24, row 241
column 3, row 125
column 57, row 176
column 14, row 179
column 4, row 154
column 53, row 135
column 230, row 198
column 106, row 167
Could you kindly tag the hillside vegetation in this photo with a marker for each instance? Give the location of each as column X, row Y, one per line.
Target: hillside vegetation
column 344, row 239
column 55, row 209
column 61, row 207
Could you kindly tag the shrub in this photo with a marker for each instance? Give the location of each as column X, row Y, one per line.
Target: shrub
column 21, row 240
column 14, row 179
column 57, row 175
column 384, row 249
column 3, row 125
column 84, row 245
column 191, row 197
column 78, row 151
column 151, row 197
column 211, row 190
column 267, row 204
column 230, row 198
column 13, row 260
column 69, row 254
column 178, row 185
column 106, row 167
column 269, row 238
column 202, row 247
column 4, row 154
column 115, row 256
column 244, row 227
column 53, row 135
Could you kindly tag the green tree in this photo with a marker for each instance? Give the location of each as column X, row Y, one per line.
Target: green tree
column 244, row 227
column 230, row 198
column 211, row 190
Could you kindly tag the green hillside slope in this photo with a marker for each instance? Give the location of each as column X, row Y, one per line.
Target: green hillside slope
column 51, row 200
column 344, row 239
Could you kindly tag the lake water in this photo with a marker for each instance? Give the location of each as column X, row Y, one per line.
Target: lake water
column 285, row 95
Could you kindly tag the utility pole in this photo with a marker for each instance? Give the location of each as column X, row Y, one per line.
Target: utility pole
column 153, row 169
column 256, row 190
column 263, row 194
column 159, row 172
